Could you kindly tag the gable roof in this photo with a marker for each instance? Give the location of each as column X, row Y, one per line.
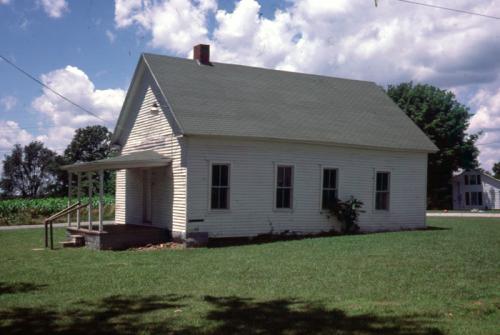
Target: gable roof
column 234, row 100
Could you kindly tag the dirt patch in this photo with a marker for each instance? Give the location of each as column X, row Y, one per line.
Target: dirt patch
column 161, row 246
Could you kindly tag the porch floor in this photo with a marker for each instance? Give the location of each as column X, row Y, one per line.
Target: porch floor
column 120, row 236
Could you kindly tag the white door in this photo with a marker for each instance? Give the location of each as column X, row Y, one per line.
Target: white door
column 146, row 197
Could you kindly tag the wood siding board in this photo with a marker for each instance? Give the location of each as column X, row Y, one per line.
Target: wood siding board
column 252, row 187
column 152, row 132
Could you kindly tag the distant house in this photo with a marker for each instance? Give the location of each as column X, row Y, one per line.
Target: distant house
column 227, row 150
column 475, row 189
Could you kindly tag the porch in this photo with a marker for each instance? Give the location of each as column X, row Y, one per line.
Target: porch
column 149, row 170
column 120, row 236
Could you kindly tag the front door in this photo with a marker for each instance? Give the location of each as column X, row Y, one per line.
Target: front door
column 146, row 197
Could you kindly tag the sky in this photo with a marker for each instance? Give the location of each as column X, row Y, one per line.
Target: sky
column 87, row 51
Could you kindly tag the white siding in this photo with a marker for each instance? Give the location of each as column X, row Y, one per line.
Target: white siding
column 490, row 187
column 252, row 186
column 153, row 132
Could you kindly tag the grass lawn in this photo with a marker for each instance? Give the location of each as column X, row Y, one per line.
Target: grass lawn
column 440, row 281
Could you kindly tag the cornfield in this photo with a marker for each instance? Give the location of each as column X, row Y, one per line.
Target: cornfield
column 18, row 211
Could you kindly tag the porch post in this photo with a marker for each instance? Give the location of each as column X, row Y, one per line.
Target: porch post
column 70, row 180
column 78, row 195
column 89, row 179
column 101, row 197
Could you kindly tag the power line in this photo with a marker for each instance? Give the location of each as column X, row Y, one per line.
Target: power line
column 50, row 88
column 449, row 9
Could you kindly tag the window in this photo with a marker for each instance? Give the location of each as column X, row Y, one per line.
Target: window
column 382, row 191
column 467, row 198
column 466, row 178
column 478, row 179
column 284, row 186
column 219, row 198
column 329, row 188
column 473, row 179
column 474, row 198
column 477, row 198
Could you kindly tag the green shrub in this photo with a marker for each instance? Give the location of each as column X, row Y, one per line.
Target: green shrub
column 347, row 212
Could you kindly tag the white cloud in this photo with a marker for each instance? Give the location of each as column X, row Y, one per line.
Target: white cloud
column 8, row 102
column 176, row 25
column 11, row 133
column 54, row 8
column 4, row 2
column 74, row 84
column 388, row 44
column 487, row 119
column 111, row 36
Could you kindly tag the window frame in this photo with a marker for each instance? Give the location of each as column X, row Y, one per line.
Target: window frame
column 473, row 179
column 322, row 189
column 388, row 191
column 466, row 180
column 210, row 186
column 467, row 199
column 292, row 188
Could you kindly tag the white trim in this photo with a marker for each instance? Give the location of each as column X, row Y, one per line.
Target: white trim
column 211, row 163
column 275, row 186
column 322, row 172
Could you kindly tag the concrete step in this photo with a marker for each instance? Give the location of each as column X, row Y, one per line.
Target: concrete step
column 68, row 244
column 78, row 240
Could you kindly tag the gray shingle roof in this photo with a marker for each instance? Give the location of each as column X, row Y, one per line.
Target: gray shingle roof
column 234, row 100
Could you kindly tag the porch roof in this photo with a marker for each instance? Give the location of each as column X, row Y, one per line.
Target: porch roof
column 148, row 158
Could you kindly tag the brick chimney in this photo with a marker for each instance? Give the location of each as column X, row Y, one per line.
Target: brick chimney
column 201, row 53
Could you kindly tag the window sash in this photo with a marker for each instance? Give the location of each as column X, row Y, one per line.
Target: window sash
column 329, row 187
column 219, row 191
column 382, row 191
column 284, row 187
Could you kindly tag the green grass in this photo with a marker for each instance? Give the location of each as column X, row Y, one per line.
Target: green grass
column 440, row 281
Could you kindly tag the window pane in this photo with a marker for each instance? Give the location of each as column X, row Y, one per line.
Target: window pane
column 215, row 198
column 215, row 175
column 288, row 176
column 478, row 179
column 480, row 198
column 280, row 178
column 324, row 200
column 382, row 200
column 223, row 202
column 224, row 175
column 329, row 178
column 382, row 181
column 473, row 180
column 287, row 198
column 279, row 198
column 474, row 198
column 467, row 198
column 326, row 178
column 466, row 178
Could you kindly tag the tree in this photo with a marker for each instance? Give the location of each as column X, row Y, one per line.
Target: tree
column 445, row 121
column 30, row 171
column 496, row 170
column 89, row 144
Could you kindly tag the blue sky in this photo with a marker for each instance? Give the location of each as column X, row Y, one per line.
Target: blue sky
column 88, row 50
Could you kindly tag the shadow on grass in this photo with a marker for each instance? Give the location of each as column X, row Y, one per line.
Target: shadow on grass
column 6, row 288
column 225, row 315
column 436, row 228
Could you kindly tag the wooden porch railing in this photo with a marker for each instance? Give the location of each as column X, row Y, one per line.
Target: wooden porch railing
column 48, row 221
